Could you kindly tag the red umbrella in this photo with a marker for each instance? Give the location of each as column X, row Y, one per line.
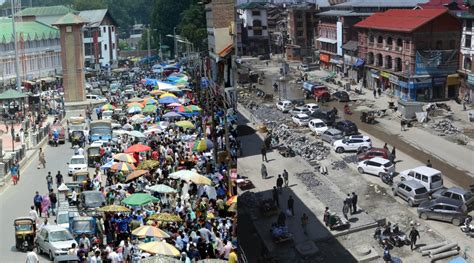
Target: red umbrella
column 138, row 148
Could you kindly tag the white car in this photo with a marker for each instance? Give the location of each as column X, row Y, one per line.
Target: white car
column 312, row 107
column 93, row 97
column 376, row 166
column 107, row 115
column 352, row 143
column 284, row 105
column 299, row 110
column 54, row 241
column 300, row 119
column 62, row 219
column 317, row 126
column 78, row 163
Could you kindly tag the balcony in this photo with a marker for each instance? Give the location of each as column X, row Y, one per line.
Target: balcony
column 379, row 45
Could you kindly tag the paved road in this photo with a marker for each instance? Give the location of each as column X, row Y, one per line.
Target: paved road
column 16, row 200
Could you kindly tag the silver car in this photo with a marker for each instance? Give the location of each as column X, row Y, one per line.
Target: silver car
column 331, row 135
column 443, row 209
column 456, row 193
column 411, row 191
column 54, row 241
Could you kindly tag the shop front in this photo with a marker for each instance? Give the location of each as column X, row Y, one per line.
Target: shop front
column 324, row 60
column 337, row 64
column 452, row 84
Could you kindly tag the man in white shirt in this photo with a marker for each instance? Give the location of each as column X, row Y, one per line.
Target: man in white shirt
column 31, row 256
column 33, row 214
column 96, row 257
column 80, row 151
column 74, row 197
column 113, row 257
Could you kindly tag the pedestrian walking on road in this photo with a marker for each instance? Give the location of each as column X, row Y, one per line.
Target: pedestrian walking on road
column 379, row 91
column 275, row 196
column 326, row 216
column 263, row 170
column 291, row 203
column 393, row 154
column 354, row 203
column 428, row 163
column 17, row 165
column 402, row 125
column 385, row 146
column 59, row 178
column 33, row 214
column 41, row 159
column 37, row 200
column 375, row 94
column 345, row 210
column 54, row 200
column 414, row 235
column 49, row 181
column 285, row 177
column 31, row 256
column 304, row 223
column 279, row 183
column 263, row 150
column 14, row 173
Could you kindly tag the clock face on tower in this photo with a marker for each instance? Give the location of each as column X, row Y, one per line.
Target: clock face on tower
column 69, row 29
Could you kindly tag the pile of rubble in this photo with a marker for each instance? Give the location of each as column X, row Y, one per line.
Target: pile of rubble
column 267, row 113
column 339, row 165
column 445, row 127
column 300, row 144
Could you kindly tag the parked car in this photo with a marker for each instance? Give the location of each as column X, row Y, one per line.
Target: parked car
column 456, row 193
column 304, row 67
column 374, row 152
column 312, row 107
column 376, row 166
column 352, row 143
column 431, row 178
column 95, row 98
column 300, row 119
column 443, row 209
column 317, row 126
column 92, row 199
column 347, row 127
column 78, row 163
column 54, row 241
column 341, row 96
column 62, row 218
column 328, row 116
column 284, row 105
column 411, row 191
column 67, row 259
column 299, row 110
column 331, row 135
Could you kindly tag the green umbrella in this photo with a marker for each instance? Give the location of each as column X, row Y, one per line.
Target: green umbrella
column 139, row 199
column 149, row 108
column 162, row 188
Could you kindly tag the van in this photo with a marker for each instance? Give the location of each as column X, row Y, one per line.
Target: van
column 430, row 178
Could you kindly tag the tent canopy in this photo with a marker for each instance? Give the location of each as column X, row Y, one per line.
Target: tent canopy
column 12, row 94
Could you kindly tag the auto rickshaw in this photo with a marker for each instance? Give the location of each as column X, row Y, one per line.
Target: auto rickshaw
column 93, row 155
column 77, row 186
column 25, row 233
column 367, row 117
column 77, row 138
column 80, row 177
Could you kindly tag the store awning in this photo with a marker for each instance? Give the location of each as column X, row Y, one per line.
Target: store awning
column 226, row 50
column 327, row 40
column 351, row 45
column 12, row 95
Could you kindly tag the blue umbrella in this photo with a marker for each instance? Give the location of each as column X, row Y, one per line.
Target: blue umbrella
column 168, row 100
column 172, row 114
column 107, row 165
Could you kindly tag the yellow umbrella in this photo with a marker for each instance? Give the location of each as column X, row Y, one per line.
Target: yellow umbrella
column 122, row 166
column 210, row 215
column 185, row 124
column 194, row 177
column 113, row 209
column 159, row 247
column 167, row 95
column 166, row 217
column 150, row 231
column 124, row 157
column 135, row 104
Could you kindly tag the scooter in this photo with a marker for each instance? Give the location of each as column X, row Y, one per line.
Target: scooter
column 387, row 178
column 467, row 227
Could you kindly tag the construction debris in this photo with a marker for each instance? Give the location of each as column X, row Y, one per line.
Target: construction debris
column 339, row 165
column 445, row 127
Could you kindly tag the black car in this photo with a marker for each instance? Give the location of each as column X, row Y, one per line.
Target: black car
column 341, row 96
column 328, row 116
column 92, row 199
column 347, row 127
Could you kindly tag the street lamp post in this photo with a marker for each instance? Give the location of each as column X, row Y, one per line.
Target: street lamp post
column 17, row 59
column 175, row 45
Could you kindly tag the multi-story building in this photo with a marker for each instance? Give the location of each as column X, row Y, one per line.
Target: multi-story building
column 453, row 5
column 255, row 36
column 466, row 66
column 301, row 19
column 411, row 53
column 135, row 35
column 100, row 38
column 38, row 49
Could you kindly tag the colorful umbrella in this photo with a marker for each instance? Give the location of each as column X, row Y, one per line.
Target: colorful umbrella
column 135, row 104
column 149, row 108
column 139, row 199
column 188, row 175
column 123, row 166
column 148, row 164
column 167, row 94
column 124, row 157
column 135, row 99
column 231, row 200
column 135, row 174
column 150, row 231
column 203, row 145
column 114, row 209
column 160, row 247
column 138, row 148
column 185, row 124
column 232, row 208
column 108, row 106
column 127, row 127
column 156, row 92
column 172, row 105
column 153, row 130
column 171, row 115
column 150, row 101
column 166, row 217
column 162, row 188
column 135, row 109
column 137, row 134
column 191, row 108
column 168, row 100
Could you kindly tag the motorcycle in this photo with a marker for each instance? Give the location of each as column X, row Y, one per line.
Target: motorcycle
column 55, row 142
column 467, row 227
column 387, row 178
column 398, row 238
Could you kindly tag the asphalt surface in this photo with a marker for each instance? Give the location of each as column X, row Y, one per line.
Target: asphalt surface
column 15, row 201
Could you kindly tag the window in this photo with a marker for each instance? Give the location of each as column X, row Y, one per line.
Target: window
column 467, row 41
column 389, row 41
column 105, row 46
column 399, row 42
column 299, row 33
column 256, row 12
column 418, row 176
column 439, row 44
column 371, row 39
column 257, row 23
column 469, row 25
column 467, row 63
column 380, row 40
column 105, row 29
column 456, row 197
column 257, row 32
column 299, row 24
column 424, row 178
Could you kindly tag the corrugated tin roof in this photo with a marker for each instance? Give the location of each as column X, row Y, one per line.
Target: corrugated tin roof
column 350, row 45
column 443, row 4
column 29, row 29
column 93, row 17
column 69, row 19
column 252, row 5
column 400, row 20
column 47, row 11
column 383, row 3
column 342, row 13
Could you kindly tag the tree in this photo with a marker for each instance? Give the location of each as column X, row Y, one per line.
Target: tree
column 143, row 43
column 193, row 26
column 89, row 4
column 123, row 45
column 166, row 15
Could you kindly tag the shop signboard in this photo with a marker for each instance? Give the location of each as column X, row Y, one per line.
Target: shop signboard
column 439, row 81
column 324, row 58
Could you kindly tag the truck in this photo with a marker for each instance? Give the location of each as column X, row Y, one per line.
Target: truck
column 317, row 91
column 100, row 130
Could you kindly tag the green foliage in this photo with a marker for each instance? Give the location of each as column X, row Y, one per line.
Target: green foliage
column 143, row 43
column 193, row 26
column 80, row 5
column 123, row 45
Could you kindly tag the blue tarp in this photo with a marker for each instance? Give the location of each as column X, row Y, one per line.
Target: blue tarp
column 151, row 82
column 168, row 100
column 359, row 62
